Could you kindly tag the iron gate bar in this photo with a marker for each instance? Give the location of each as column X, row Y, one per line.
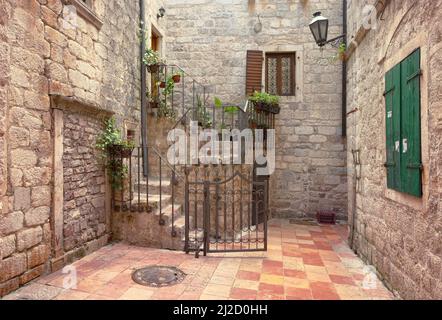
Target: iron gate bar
column 256, row 191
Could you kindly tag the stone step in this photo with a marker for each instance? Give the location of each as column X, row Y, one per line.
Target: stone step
column 152, row 200
column 153, row 186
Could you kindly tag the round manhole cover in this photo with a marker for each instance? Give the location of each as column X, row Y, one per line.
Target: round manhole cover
column 158, row 276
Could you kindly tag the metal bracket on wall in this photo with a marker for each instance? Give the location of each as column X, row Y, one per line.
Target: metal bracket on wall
column 357, row 163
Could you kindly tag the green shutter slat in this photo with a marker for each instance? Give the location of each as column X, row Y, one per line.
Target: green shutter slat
column 396, row 127
column 392, row 103
column 411, row 160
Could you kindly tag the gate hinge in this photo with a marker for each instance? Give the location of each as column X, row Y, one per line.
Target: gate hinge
column 416, row 166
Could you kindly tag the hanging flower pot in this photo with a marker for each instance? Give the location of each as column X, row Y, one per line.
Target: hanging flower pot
column 176, row 78
column 153, row 68
column 162, row 84
column 120, row 151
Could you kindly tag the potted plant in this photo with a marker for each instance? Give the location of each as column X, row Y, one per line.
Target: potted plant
column 152, row 60
column 176, row 77
column 265, row 102
column 114, row 150
column 203, row 117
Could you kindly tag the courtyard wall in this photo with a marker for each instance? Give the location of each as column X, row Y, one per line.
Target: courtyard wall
column 399, row 234
column 210, row 39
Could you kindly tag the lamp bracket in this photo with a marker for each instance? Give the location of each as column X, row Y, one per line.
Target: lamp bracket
column 335, row 42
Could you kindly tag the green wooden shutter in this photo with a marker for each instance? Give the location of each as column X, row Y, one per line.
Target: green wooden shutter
column 411, row 161
column 393, row 112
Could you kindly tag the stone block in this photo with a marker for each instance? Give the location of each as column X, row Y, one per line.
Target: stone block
column 7, row 246
column 28, row 238
column 18, row 137
column 12, row 267
column 32, row 274
column 54, row 36
column 41, row 196
column 9, row 286
column 11, row 223
column 38, row 255
column 23, row 158
column 22, row 199
column 37, row 216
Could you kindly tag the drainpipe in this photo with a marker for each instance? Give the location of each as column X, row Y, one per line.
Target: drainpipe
column 344, row 72
column 352, row 211
column 143, row 89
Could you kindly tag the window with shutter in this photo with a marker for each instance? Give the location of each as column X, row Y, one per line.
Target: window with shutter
column 254, row 71
column 280, row 73
column 403, row 128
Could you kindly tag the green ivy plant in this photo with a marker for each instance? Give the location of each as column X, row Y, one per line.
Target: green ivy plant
column 107, row 143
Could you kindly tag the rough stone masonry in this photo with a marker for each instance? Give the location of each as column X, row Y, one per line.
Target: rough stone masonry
column 41, row 55
column 211, row 44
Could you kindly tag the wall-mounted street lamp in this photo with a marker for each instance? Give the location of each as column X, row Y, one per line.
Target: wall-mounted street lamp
column 161, row 12
column 319, row 29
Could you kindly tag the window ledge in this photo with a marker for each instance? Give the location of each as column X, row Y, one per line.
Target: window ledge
column 406, row 199
column 85, row 12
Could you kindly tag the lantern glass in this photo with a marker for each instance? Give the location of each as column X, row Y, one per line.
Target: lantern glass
column 319, row 28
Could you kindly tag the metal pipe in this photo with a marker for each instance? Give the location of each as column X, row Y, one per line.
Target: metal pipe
column 143, row 89
column 344, row 72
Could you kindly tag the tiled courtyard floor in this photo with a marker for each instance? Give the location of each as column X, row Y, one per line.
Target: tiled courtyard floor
column 302, row 262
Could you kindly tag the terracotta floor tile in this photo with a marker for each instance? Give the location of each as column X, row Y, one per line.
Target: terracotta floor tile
column 217, row 290
column 90, row 285
column 341, row 279
column 113, row 290
column 271, row 279
column 104, row 276
column 97, row 297
column 137, row 294
column 246, row 284
column 262, row 295
column 321, row 277
column 297, row 283
column 324, row 291
column 228, row 281
column 243, row 294
column 248, row 275
column 72, row 295
column 298, row 294
column 271, row 288
column 295, row 274
column 302, row 262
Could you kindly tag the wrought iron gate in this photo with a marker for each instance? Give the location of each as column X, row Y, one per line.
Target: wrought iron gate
column 226, row 210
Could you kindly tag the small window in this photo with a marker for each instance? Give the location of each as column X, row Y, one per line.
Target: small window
column 85, row 9
column 280, row 73
column 403, row 126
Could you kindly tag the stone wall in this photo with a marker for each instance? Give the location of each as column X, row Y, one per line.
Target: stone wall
column 398, row 234
column 210, row 43
column 84, row 182
column 44, row 52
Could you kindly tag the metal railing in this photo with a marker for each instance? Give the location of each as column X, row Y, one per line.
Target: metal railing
column 167, row 185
